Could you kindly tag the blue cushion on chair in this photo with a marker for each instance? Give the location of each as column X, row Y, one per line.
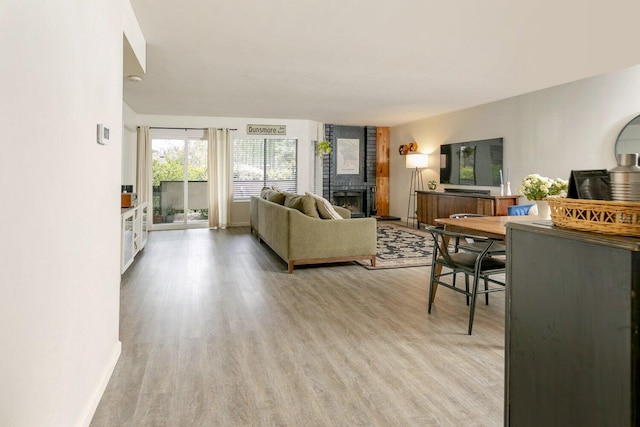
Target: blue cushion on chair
column 518, row 210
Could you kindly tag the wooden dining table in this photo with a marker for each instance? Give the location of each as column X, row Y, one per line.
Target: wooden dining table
column 486, row 226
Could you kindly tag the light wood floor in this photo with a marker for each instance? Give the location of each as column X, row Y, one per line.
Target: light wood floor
column 216, row 333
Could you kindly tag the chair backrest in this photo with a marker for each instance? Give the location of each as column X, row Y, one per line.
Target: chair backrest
column 440, row 246
column 518, row 210
column 441, row 239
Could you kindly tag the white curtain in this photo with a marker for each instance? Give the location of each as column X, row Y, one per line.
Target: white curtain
column 143, row 169
column 220, row 182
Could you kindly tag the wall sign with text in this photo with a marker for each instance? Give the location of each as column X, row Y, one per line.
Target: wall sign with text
column 266, row 129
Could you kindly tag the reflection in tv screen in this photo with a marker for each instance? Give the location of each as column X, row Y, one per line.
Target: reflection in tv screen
column 472, row 162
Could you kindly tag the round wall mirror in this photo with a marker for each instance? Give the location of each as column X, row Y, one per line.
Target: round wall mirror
column 629, row 138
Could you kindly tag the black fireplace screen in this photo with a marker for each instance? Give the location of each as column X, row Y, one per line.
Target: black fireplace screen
column 352, row 200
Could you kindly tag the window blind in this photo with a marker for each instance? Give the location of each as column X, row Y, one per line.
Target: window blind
column 264, row 162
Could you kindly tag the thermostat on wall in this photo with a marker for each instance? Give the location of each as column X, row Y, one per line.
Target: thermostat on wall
column 103, row 134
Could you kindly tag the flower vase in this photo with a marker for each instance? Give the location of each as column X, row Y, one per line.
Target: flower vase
column 544, row 211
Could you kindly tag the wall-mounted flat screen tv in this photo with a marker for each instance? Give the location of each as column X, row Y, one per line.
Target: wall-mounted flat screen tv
column 471, row 163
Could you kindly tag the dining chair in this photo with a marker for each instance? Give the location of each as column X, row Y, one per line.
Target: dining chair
column 469, row 245
column 477, row 265
column 518, row 210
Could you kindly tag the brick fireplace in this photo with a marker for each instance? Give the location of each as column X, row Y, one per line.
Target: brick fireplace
column 356, row 192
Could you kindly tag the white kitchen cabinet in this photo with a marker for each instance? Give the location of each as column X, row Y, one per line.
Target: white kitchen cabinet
column 134, row 229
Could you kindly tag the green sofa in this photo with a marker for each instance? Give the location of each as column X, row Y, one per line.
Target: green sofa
column 301, row 239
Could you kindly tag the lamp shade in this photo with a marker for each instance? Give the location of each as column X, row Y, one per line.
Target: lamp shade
column 417, row 161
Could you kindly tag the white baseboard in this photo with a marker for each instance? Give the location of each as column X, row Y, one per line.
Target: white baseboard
column 102, row 386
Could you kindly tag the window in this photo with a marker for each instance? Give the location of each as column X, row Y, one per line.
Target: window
column 179, row 173
column 262, row 162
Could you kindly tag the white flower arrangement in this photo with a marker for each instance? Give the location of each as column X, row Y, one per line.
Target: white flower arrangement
column 536, row 187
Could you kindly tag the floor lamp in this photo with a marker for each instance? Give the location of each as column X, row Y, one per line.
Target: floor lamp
column 415, row 162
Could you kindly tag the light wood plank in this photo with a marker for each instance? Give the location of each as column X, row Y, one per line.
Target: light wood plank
column 488, row 226
column 216, row 333
column 383, row 144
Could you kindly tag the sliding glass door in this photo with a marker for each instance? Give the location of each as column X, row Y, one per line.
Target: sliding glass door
column 179, row 168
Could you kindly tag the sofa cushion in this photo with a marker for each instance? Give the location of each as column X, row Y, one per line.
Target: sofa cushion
column 276, row 197
column 265, row 192
column 325, row 209
column 272, row 195
column 303, row 203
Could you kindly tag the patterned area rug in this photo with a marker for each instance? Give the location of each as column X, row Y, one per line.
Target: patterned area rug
column 399, row 246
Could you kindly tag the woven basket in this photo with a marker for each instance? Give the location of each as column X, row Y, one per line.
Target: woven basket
column 621, row 218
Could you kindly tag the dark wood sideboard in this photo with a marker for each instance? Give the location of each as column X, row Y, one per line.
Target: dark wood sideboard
column 435, row 204
column 572, row 316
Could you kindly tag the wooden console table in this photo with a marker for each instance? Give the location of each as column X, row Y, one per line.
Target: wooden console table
column 435, row 204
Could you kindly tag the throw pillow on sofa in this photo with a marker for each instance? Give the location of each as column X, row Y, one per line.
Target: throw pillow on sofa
column 325, row 209
column 273, row 195
column 276, row 197
column 265, row 192
column 305, row 204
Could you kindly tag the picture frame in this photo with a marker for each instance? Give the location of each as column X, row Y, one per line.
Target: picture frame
column 589, row 184
column 347, row 156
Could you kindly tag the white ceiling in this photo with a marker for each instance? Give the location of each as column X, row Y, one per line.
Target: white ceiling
column 375, row 62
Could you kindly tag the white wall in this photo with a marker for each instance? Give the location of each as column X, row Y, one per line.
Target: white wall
column 135, row 44
column 59, row 258
column 550, row 132
column 304, row 131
